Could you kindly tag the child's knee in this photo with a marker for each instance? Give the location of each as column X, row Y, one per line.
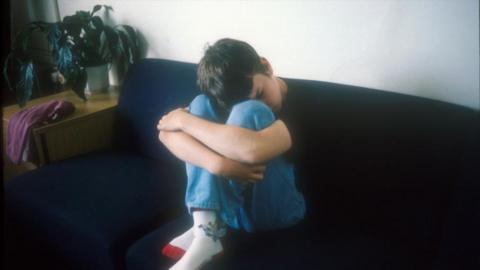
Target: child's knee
column 201, row 106
column 252, row 114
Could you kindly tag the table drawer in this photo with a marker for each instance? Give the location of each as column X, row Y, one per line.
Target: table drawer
column 70, row 138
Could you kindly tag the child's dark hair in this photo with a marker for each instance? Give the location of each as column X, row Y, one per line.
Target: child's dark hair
column 226, row 71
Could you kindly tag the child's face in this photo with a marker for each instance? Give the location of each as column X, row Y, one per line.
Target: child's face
column 268, row 89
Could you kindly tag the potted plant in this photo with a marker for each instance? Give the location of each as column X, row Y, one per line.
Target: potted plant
column 82, row 46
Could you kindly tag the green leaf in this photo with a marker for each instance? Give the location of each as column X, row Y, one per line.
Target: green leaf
column 25, row 84
column 123, row 45
column 67, row 19
column 111, row 39
column 133, row 40
column 65, row 60
column 104, row 48
column 97, row 23
column 53, row 36
column 83, row 16
column 129, row 42
column 95, row 9
column 73, row 26
column 98, row 7
column 6, row 70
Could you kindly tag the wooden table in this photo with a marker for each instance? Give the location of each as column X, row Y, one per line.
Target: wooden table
column 89, row 128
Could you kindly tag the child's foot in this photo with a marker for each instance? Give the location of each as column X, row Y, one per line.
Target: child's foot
column 202, row 250
column 179, row 245
column 206, row 243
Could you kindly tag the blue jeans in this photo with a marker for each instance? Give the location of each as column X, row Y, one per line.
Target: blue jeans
column 271, row 203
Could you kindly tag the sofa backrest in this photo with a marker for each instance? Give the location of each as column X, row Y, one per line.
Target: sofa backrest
column 369, row 133
column 152, row 88
column 378, row 161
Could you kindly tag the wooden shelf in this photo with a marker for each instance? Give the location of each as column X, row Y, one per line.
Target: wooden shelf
column 87, row 129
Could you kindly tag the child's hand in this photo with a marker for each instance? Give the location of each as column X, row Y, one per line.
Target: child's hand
column 172, row 121
column 240, row 171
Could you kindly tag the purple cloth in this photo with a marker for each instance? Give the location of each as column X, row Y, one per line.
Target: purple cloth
column 22, row 122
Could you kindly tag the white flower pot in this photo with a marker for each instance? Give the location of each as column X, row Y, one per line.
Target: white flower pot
column 97, row 79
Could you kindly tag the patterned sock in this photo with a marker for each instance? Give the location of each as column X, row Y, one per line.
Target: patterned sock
column 207, row 230
column 179, row 245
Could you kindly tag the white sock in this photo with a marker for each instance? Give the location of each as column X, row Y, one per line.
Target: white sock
column 206, row 242
column 179, row 245
column 184, row 240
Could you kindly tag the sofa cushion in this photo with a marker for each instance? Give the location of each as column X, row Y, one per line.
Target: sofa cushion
column 152, row 88
column 90, row 208
column 303, row 246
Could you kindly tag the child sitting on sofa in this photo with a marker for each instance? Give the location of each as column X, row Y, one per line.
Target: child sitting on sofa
column 235, row 148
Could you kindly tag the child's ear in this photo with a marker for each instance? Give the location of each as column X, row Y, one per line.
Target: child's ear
column 266, row 64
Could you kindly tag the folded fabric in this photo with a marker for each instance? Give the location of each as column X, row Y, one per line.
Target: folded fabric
column 22, row 122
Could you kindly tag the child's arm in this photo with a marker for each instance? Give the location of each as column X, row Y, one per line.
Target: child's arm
column 188, row 149
column 231, row 141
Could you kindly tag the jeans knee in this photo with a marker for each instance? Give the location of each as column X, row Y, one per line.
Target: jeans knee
column 252, row 114
column 201, row 106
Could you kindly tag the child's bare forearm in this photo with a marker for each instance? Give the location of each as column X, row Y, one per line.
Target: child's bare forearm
column 190, row 150
column 233, row 142
column 237, row 143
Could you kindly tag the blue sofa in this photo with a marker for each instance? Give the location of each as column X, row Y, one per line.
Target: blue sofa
column 391, row 182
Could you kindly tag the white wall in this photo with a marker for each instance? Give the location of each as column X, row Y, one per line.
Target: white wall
column 424, row 48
